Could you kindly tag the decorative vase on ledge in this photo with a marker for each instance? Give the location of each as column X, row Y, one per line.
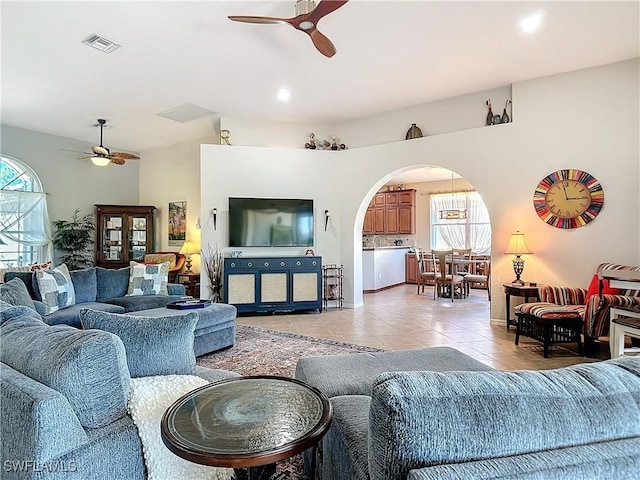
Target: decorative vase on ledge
column 413, row 132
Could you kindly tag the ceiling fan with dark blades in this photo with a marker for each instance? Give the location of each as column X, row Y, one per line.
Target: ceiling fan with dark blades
column 102, row 156
column 306, row 20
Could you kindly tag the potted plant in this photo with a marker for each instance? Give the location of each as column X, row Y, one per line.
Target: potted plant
column 74, row 239
column 213, row 262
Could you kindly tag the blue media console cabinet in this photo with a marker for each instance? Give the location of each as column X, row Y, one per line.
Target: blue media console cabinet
column 269, row 284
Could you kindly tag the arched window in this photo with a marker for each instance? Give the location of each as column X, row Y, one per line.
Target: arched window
column 25, row 231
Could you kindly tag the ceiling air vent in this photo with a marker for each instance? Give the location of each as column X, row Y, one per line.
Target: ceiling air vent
column 100, row 43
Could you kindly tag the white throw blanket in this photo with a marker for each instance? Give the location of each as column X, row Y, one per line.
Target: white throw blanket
column 149, row 398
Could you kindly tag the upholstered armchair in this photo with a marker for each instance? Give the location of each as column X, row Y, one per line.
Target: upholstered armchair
column 591, row 304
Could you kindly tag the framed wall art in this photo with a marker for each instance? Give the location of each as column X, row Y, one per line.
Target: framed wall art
column 177, row 223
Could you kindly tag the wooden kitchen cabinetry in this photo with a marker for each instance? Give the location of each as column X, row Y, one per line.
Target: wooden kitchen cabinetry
column 124, row 233
column 391, row 213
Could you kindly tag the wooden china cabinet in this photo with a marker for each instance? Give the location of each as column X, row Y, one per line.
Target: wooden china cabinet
column 124, row 233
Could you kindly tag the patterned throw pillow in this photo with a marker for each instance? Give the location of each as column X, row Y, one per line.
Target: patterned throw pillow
column 56, row 288
column 148, row 279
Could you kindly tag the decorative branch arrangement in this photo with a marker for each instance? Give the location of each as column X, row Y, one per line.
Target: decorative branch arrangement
column 213, row 262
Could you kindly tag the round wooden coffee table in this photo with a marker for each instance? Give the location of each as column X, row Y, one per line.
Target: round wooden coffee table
column 246, row 423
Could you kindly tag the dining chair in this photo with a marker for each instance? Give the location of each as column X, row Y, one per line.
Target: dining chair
column 461, row 257
column 484, row 277
column 425, row 274
column 445, row 274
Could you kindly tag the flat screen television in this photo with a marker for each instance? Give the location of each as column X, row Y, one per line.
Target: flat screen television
column 270, row 222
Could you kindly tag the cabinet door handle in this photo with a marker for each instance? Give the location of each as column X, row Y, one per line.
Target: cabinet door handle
column 233, row 264
column 266, row 264
column 249, row 264
column 298, row 263
column 282, row 264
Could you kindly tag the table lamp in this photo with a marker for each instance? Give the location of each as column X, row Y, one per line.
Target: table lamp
column 518, row 246
column 189, row 248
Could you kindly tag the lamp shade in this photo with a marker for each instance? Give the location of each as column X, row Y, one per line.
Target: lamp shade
column 189, row 248
column 100, row 161
column 517, row 244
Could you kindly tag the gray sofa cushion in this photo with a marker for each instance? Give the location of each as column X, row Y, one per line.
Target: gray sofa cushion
column 87, row 367
column 85, row 284
column 354, row 374
column 71, row 315
column 619, row 459
column 111, row 283
column 142, row 302
column 154, row 345
column 15, row 292
column 27, row 277
column 419, row 419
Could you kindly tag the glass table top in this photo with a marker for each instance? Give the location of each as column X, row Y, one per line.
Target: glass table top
column 242, row 416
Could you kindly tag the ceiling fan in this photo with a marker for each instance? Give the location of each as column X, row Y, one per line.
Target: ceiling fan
column 102, row 156
column 306, row 20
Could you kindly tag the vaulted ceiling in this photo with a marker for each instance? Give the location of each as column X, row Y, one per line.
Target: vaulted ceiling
column 390, row 54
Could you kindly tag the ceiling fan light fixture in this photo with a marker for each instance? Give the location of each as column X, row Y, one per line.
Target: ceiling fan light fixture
column 100, row 161
column 306, row 25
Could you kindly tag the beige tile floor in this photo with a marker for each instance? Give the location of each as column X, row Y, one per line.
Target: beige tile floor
column 399, row 319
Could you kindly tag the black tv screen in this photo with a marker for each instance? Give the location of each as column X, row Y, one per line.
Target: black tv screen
column 270, row 222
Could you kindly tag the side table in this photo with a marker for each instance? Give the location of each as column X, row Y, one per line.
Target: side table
column 191, row 282
column 624, row 321
column 525, row 290
column 246, row 423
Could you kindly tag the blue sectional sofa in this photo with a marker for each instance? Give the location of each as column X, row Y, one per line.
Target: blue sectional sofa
column 96, row 288
column 578, row 422
column 64, row 394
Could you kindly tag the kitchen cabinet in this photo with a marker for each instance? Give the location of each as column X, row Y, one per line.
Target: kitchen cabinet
column 391, row 213
column 124, row 234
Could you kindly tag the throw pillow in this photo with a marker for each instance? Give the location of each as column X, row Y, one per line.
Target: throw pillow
column 15, row 293
column 594, row 288
column 154, row 345
column 148, row 279
column 56, row 288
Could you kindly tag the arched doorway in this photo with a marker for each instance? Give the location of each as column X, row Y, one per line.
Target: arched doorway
column 448, row 213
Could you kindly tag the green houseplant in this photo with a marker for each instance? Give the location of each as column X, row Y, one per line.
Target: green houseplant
column 74, row 239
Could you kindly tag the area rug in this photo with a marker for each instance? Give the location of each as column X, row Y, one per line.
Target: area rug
column 259, row 351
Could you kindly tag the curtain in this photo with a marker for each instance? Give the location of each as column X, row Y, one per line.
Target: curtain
column 24, row 220
column 474, row 232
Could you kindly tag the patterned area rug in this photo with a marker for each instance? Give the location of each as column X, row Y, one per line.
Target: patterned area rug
column 259, row 351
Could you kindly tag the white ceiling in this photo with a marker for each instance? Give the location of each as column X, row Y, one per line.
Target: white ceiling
column 391, row 54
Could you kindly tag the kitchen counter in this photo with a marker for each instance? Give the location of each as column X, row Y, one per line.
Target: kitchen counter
column 383, row 267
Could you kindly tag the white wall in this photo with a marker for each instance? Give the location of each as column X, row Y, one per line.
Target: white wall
column 172, row 174
column 586, row 119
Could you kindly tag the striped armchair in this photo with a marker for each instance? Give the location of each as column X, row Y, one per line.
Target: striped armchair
column 591, row 304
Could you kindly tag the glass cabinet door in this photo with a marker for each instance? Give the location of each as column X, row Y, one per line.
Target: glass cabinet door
column 138, row 238
column 112, row 239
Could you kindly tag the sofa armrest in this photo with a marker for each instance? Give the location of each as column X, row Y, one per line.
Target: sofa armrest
column 38, row 422
column 176, row 289
column 596, row 314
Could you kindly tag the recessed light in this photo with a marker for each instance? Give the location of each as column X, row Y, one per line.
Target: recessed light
column 284, row 95
column 531, row 23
